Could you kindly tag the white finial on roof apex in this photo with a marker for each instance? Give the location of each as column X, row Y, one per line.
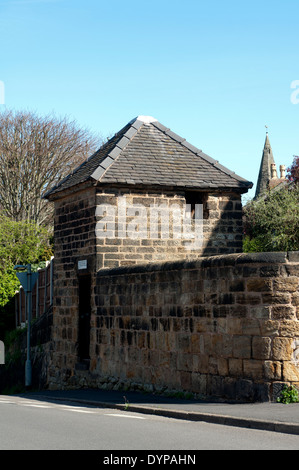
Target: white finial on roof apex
column 146, row 119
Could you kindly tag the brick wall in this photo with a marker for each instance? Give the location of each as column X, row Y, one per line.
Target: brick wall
column 221, row 326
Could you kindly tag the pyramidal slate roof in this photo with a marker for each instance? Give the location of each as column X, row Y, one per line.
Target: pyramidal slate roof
column 146, row 153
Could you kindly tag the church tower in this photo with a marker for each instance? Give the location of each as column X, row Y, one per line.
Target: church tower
column 268, row 178
column 265, row 174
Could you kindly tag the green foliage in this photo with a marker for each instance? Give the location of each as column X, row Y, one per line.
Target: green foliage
column 289, row 394
column 20, row 243
column 253, row 244
column 272, row 222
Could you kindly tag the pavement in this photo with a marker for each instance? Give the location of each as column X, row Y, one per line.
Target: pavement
column 267, row 416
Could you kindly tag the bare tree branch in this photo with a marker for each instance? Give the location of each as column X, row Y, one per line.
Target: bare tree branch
column 35, row 154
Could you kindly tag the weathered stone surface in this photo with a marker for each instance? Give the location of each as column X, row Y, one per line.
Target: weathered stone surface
column 149, row 239
column 290, row 372
column 261, row 347
column 242, row 347
column 273, row 370
column 282, row 349
column 286, row 284
column 259, row 285
column 166, row 319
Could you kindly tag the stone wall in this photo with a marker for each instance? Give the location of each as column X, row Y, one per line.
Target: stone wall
column 223, row 326
column 143, row 236
column 74, row 227
column 78, row 216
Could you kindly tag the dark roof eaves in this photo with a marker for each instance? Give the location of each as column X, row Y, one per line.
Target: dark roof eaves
column 204, row 187
column 56, row 189
column 107, row 161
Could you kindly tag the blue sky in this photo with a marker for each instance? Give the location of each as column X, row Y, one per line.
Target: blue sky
column 214, row 72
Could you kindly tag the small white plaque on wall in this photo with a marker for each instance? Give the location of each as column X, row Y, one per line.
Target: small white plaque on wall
column 82, row 264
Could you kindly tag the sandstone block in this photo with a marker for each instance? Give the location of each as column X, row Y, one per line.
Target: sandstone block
column 259, row 285
column 261, row 347
column 283, row 312
column 270, row 328
column 282, row 349
column 253, row 369
column 290, row 372
column 288, row 284
column 235, row 367
column 289, row 328
column 242, row 347
column 273, row 370
column 251, row 326
column 222, row 364
column 199, row 383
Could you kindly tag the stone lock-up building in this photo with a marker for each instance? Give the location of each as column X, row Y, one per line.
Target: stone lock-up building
column 150, row 288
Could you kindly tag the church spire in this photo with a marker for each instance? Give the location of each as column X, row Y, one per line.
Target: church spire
column 265, row 168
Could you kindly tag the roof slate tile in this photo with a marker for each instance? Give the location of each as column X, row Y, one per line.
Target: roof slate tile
column 148, row 153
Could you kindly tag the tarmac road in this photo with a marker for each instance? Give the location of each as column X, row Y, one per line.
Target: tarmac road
column 264, row 416
column 30, row 423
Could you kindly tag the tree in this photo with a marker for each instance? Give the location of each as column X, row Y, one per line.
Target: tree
column 271, row 223
column 35, row 154
column 293, row 171
column 20, row 243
